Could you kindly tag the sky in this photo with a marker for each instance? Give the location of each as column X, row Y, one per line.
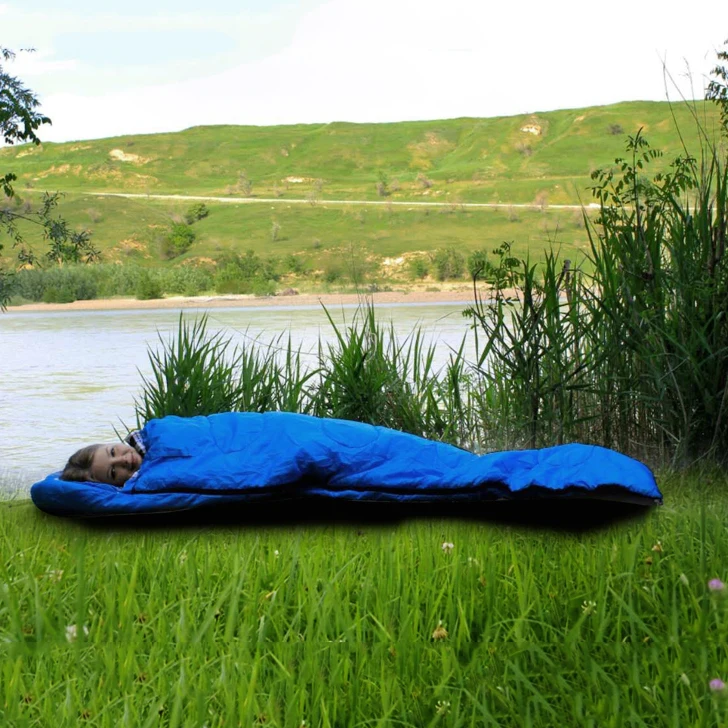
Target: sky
column 167, row 65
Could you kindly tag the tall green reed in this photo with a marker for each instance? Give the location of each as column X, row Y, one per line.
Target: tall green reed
column 534, row 364
column 367, row 375
column 659, row 263
column 635, row 355
column 198, row 373
column 370, row 375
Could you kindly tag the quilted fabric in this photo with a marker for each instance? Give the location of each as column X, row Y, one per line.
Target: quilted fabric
column 247, row 456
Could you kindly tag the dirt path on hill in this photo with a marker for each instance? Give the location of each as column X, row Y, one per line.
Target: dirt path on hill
column 324, row 203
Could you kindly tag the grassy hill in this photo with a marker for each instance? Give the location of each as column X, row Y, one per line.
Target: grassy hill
column 520, row 159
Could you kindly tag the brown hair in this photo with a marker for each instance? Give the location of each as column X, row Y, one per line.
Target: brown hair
column 78, row 467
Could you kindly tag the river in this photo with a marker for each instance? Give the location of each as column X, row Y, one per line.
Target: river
column 69, row 378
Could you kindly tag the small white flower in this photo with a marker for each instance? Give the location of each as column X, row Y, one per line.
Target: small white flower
column 684, row 579
column 183, row 557
column 448, row 546
column 442, row 706
column 472, row 560
column 588, row 607
column 72, row 632
column 685, row 679
column 276, row 553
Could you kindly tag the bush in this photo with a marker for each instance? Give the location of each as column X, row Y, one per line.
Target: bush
column 57, row 285
column 186, row 279
column 294, row 264
column 333, row 272
column 148, row 287
column 59, row 295
column 118, row 280
column 448, row 263
column 477, row 263
column 242, row 273
column 178, row 240
column 419, row 267
column 228, row 279
column 196, row 212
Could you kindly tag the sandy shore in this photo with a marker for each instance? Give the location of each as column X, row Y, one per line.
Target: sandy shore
column 462, row 294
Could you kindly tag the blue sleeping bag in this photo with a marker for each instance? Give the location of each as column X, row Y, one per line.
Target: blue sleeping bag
column 239, row 457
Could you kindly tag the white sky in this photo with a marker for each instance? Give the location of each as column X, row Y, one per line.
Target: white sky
column 167, row 65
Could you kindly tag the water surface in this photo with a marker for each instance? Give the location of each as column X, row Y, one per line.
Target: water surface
column 68, row 378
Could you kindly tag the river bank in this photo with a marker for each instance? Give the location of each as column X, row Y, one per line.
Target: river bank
column 456, row 294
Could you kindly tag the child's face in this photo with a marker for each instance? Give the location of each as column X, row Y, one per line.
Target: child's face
column 115, row 463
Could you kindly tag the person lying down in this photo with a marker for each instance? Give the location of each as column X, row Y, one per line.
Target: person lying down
column 113, row 462
column 269, row 454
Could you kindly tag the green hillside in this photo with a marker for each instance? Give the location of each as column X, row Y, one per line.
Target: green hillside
column 544, row 157
column 482, row 160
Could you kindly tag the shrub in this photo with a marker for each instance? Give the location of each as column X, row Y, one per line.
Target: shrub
column 615, row 129
column 185, row 279
column 419, row 267
column 229, row 279
column 333, row 272
column 177, row 241
column 64, row 294
column 57, row 285
column 294, row 264
column 244, row 186
column 423, row 181
column 382, row 185
column 241, row 273
column 477, row 263
column 448, row 263
column 148, row 287
column 196, row 212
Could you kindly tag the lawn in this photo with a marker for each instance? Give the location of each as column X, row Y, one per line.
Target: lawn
column 306, row 619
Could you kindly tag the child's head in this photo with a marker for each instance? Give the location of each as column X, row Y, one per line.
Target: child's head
column 112, row 463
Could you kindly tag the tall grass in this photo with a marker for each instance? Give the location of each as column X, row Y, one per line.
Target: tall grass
column 635, row 355
column 367, row 374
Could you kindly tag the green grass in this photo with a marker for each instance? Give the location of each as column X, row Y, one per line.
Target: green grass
column 331, row 623
column 482, row 160
column 127, row 230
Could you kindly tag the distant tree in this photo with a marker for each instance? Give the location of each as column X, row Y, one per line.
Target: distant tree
column 245, row 185
column 383, row 184
column 424, row 182
column 448, row 262
column 718, row 87
column 477, row 263
column 18, row 123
